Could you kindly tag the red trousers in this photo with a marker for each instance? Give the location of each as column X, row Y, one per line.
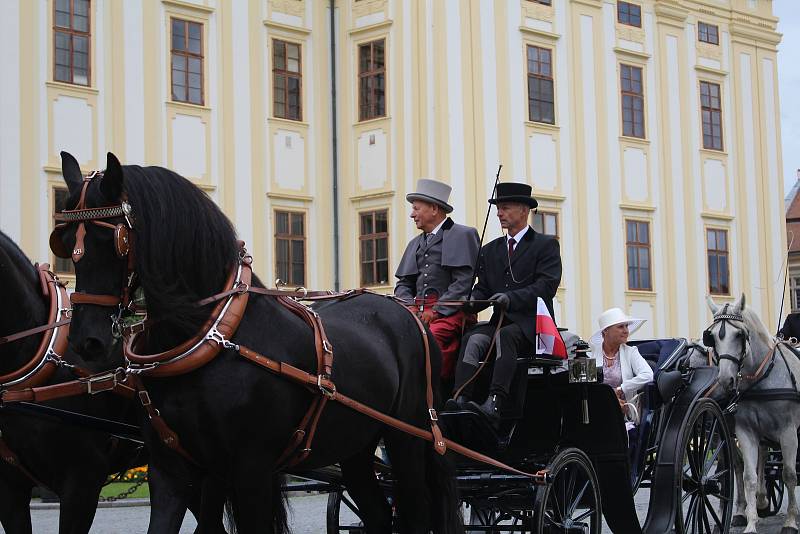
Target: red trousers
column 447, row 332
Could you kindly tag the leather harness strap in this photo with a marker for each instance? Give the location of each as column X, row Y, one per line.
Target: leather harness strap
column 313, row 382
column 48, row 354
column 31, row 331
column 9, row 457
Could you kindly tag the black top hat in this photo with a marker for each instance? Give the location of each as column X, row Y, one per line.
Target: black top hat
column 514, row 192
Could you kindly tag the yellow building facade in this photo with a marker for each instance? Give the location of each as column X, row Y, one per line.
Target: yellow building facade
column 649, row 130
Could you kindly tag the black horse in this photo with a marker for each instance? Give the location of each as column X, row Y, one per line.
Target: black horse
column 232, row 417
column 72, row 461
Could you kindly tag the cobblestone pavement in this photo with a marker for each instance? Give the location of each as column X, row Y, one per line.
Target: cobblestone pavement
column 307, row 517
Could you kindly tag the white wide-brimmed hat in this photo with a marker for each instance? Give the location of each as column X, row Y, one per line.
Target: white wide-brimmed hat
column 432, row 191
column 613, row 316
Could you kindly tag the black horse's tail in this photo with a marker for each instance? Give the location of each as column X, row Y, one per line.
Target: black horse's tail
column 280, row 503
column 446, row 510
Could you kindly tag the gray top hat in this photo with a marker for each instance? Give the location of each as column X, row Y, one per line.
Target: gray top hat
column 432, row 191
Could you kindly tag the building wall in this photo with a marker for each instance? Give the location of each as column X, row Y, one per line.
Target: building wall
column 456, row 94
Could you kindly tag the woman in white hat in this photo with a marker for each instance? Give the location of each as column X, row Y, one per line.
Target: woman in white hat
column 624, row 369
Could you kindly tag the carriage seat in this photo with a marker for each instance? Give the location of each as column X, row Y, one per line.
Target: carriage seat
column 656, row 351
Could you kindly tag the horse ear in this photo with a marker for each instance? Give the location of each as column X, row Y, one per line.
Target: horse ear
column 742, row 303
column 111, row 185
column 711, row 304
column 71, row 171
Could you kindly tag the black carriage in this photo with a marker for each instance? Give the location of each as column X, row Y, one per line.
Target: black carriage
column 572, row 435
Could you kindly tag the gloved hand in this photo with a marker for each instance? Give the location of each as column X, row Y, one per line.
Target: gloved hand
column 501, row 300
column 428, row 315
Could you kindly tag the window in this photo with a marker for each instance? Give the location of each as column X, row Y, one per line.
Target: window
column 632, row 101
column 708, row 33
column 545, row 222
column 71, row 39
column 374, row 244
column 371, row 80
column 711, row 110
column 61, row 265
column 540, row 85
column 630, row 14
column 717, row 250
column 187, row 61
column 290, row 247
column 287, row 80
column 794, row 291
column 637, row 247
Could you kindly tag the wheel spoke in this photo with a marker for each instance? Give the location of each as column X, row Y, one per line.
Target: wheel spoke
column 584, row 515
column 350, row 504
column 717, row 520
column 713, row 458
column 576, row 500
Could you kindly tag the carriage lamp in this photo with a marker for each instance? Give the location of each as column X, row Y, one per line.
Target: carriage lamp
column 583, row 370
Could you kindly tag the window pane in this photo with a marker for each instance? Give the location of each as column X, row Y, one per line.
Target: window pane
column 713, row 280
column 367, row 276
column 179, row 92
column 178, row 62
column 282, row 257
column 195, row 96
column 298, row 252
column 80, row 23
column 551, row 227
column 297, row 224
column 383, row 272
column 366, row 224
column 367, row 250
column 382, row 248
column 62, row 13
column 644, row 258
column 278, row 55
column 378, row 52
column 178, row 35
column 723, row 273
column 722, row 240
column 712, row 240
column 381, row 222
column 282, row 222
column 536, row 223
column 195, row 66
column 363, row 58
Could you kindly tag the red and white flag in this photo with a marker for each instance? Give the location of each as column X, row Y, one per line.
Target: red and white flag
column 548, row 337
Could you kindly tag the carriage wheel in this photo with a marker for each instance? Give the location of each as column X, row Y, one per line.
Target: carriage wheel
column 484, row 516
column 705, row 480
column 335, row 501
column 775, row 490
column 571, row 502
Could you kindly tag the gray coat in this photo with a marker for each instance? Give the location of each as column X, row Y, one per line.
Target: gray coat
column 443, row 266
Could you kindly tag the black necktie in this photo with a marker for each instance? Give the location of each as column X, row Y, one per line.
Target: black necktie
column 511, row 243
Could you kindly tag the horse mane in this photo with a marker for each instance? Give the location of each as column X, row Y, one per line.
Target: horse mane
column 185, row 247
column 756, row 327
column 18, row 272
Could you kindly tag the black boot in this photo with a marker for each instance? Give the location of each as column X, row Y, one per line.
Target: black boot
column 489, row 409
column 455, row 405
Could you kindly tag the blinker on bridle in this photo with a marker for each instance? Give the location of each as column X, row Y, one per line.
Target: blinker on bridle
column 708, row 337
column 97, row 216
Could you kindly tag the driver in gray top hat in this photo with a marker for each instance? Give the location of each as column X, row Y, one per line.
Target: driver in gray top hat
column 437, row 265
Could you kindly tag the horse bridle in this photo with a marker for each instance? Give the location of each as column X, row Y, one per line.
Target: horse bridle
column 724, row 317
column 123, row 245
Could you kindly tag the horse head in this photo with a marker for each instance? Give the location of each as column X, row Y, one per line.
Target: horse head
column 728, row 337
column 94, row 232
column 146, row 231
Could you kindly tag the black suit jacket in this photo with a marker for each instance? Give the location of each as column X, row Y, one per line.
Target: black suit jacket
column 536, row 268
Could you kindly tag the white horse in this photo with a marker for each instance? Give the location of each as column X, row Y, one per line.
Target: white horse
column 762, row 375
column 698, row 355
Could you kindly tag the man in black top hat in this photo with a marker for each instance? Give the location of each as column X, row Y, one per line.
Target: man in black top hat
column 513, row 271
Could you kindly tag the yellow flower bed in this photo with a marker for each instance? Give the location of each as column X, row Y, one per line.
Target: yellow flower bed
column 137, row 474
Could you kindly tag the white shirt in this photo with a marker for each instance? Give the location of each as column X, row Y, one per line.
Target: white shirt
column 438, row 227
column 518, row 237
